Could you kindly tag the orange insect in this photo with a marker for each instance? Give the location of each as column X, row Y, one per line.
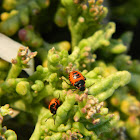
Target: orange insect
column 77, row 80
column 53, row 106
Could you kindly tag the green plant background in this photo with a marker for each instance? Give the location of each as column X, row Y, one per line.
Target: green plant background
column 68, row 35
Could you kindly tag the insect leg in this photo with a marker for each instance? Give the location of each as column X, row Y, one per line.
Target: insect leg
column 65, row 81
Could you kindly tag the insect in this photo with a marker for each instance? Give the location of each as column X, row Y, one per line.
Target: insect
column 77, row 80
column 53, row 106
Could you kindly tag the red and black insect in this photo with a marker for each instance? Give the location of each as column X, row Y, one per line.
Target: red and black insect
column 77, row 80
column 53, row 106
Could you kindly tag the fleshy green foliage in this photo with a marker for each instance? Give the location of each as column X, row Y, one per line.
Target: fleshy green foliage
column 82, row 13
column 20, row 62
column 4, row 66
column 27, row 34
column 109, row 106
column 4, row 133
column 20, row 14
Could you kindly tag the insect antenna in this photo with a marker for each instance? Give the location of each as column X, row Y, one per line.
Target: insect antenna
column 53, row 119
column 74, row 90
column 91, row 85
column 58, row 97
column 50, row 117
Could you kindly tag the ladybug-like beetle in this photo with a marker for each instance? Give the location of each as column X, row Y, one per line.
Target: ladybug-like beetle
column 77, row 80
column 53, row 106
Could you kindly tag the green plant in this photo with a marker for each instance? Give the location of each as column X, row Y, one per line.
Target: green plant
column 89, row 114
